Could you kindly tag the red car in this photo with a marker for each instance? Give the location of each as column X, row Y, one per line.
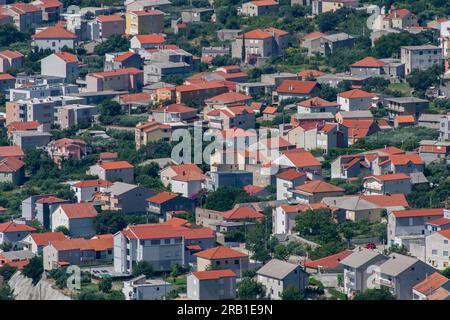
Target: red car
column 371, row 246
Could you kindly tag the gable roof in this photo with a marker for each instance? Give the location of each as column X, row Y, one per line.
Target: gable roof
column 220, row 252
column 317, row 102
column 242, row 213
column 390, row 177
column 189, row 176
column 109, row 18
column 431, row 284
column 328, row 262
column 79, row 210
column 318, row 186
column 54, row 32
column 277, row 269
column 228, row 97
column 42, row 239
column 67, row 57
column 185, row 167
column 214, row 274
column 303, row 159
column 290, row 174
column 405, row 119
column 150, row 38
column 113, row 165
column 419, row 213
column 175, row 108
column 12, row 226
column 11, row 164
column 297, row 86
column 265, row 3
column 369, row 62
column 356, row 94
column 92, row 183
column 11, row 54
column 162, row 197
column 11, row 151
column 124, row 56
column 314, row 35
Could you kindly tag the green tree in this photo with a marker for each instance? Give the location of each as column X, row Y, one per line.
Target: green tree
column 420, row 80
column 291, row 293
column 34, row 269
column 446, row 272
column 90, row 294
column 109, row 222
column 6, row 293
column 115, row 43
column 375, row 294
column 249, row 289
column 115, row 295
column 105, row 284
column 63, row 229
column 142, row 268
column 281, row 252
column 224, row 198
column 110, row 108
column 7, row 272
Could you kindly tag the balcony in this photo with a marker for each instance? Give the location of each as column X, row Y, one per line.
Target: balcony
column 384, row 282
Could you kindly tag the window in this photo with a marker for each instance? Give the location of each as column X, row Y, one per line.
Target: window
column 434, row 252
column 445, row 253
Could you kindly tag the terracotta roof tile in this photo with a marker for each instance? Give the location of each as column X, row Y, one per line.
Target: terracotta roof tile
column 328, row 262
column 241, row 213
column 113, row 165
column 79, row 210
column 214, row 274
column 12, row 226
column 220, row 253
column 54, row 32
column 356, row 94
column 419, row 213
column 369, row 62
column 11, row 164
column 297, row 86
column 317, row 186
column 162, row 197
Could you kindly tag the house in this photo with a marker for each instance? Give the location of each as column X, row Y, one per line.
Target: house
column 314, row 191
column 196, row 15
column 12, row 170
column 358, row 270
column 212, row 285
column 18, row 259
column 7, row 82
column 326, row 44
column 434, row 287
column 302, row 160
column 405, row 106
column 161, row 245
column 63, row 64
column 242, row 215
column 277, row 275
column 358, row 129
column 164, row 202
column 398, row 163
column 12, row 232
column 437, row 249
column 315, row 105
column 370, row 66
column 322, row 6
column 75, row 114
column 309, row 74
column 40, row 207
column 259, row 8
column 30, row 139
column 342, row 116
column 147, row 41
column 420, row 57
column 256, row 191
column 430, row 150
column 168, row 173
column 220, row 258
column 428, row 120
column 116, row 80
column 24, row 15
column 287, row 181
column 408, row 228
column 135, row 101
column 65, row 148
column 78, row 218
column 444, row 129
column 139, row 5
column 404, row 121
column 188, row 183
column 194, row 92
column 329, row 264
column 256, row 47
column 354, row 100
column 23, row 126
column 51, row 9
column 122, row 60
column 146, row 132
column 109, row 25
column 232, row 178
column 284, row 215
column 174, row 114
column 10, row 59
column 399, row 274
column 62, row 253
column 108, row 156
column 113, row 170
column 363, row 207
column 144, row 22
column 400, row 19
column 35, row 242
column 225, row 118
column 125, row 197
column 54, row 38
column 387, row 184
column 141, row 288
column 86, row 189
column 295, row 89
column 227, row 99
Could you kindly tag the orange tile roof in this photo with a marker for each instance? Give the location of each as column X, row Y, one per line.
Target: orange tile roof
column 11, row 54
column 11, row 151
column 51, row 199
column 6, row 76
column 23, row 8
column 228, row 97
column 439, row 222
column 390, row 177
column 101, row 244
column 316, row 102
column 310, row 73
column 313, row 35
column 11, row 164
column 356, row 94
column 185, row 167
column 176, row 108
column 110, row 18
column 54, row 32
column 270, row 110
column 114, row 165
column 202, row 86
column 162, row 197
column 12, row 226
column 256, row 34
column 93, row 183
column 124, row 56
column 290, row 174
column 23, row 125
column 401, row 13
column 48, row 4
column 403, row 159
column 405, row 119
column 332, row 261
column 297, row 86
column 431, row 283
column 79, row 210
column 117, row 72
column 252, row 190
column 220, row 253
column 419, row 213
column 214, row 274
column 303, row 159
column 136, row 97
column 108, row 155
column 276, row 142
column 391, row 200
column 190, row 176
column 67, row 57
column 369, row 62
column 265, row 3
column 391, row 150
column 317, row 186
column 241, row 213
column 301, row 207
column 445, row 233
column 150, row 38
column 42, row 239
column 166, row 230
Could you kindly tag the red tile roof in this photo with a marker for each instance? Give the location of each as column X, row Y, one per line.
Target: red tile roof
column 108, row 155
column 329, row 262
column 79, row 210
column 11, row 54
column 11, row 151
column 369, row 62
column 189, row 176
column 220, row 253
column 166, row 230
column 11, row 164
column 23, row 8
column 241, row 213
column 270, row 110
column 256, row 34
column 48, row 4
column 403, row 159
column 439, row 222
column 54, row 32
column 124, row 56
column 317, row 186
column 405, row 119
column 51, row 199
column 67, row 57
column 93, row 183
column 390, row 177
column 290, row 174
column 356, row 94
column 114, row 165
column 186, row 167
column 214, row 274
column 6, row 76
column 419, row 213
column 142, row 97
column 297, row 208
column 252, row 190
column 431, row 283
column 176, row 108
column 12, row 226
column 110, row 18
column 101, row 244
column 228, row 97
column 303, row 159
column 391, row 200
column 23, row 125
column 150, row 38
column 401, row 13
column 117, row 72
column 304, row 74
column 42, row 239
column 162, row 197
column 313, row 35
column 297, row 86
column 265, row 3
column 316, row 102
